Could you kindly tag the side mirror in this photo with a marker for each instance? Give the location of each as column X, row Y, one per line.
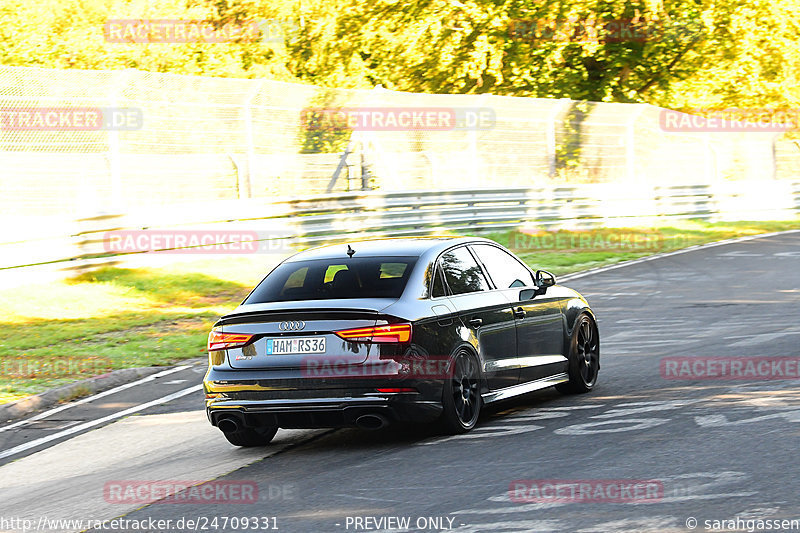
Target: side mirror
column 527, row 294
column 545, row 279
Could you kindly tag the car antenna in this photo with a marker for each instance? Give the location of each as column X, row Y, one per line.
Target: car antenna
column 350, row 251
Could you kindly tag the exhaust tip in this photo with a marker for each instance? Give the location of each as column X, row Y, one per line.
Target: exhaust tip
column 228, row 425
column 371, row 421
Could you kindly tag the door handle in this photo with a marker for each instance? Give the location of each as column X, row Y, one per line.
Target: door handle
column 476, row 322
column 519, row 312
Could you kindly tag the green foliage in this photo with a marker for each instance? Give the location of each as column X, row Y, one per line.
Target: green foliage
column 676, row 53
column 319, row 133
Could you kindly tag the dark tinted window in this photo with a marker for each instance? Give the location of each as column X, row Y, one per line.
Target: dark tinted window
column 505, row 271
column 323, row 279
column 462, row 273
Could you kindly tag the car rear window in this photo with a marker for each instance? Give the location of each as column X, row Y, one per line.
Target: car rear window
column 324, row 279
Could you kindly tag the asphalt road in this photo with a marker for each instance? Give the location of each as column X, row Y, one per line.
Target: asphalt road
column 703, row 449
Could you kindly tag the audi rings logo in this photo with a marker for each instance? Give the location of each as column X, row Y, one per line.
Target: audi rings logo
column 292, row 325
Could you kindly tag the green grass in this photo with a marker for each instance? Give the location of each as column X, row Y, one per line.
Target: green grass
column 58, row 332
column 113, row 318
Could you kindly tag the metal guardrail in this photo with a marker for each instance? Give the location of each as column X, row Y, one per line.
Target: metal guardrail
column 326, row 218
column 471, row 210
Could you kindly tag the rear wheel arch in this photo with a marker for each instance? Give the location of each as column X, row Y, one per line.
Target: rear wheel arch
column 476, row 353
column 462, row 391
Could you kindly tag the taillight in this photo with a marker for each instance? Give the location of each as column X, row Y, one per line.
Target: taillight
column 397, row 389
column 222, row 341
column 391, row 333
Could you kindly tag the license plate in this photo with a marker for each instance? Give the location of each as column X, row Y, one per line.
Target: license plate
column 290, row 345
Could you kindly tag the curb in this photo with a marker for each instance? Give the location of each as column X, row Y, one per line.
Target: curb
column 78, row 389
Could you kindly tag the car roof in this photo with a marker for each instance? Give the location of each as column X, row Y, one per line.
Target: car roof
column 386, row 247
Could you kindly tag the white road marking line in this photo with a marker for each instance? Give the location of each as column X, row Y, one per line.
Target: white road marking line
column 484, row 432
column 722, row 420
column 593, row 428
column 92, row 423
column 109, row 392
column 739, row 253
column 760, row 338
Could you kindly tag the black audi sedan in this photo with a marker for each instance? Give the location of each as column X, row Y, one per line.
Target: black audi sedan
column 394, row 330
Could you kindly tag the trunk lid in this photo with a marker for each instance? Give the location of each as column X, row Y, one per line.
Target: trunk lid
column 297, row 334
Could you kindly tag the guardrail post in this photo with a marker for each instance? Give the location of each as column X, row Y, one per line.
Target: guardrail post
column 365, row 173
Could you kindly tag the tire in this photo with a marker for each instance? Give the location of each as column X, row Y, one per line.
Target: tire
column 584, row 357
column 461, row 397
column 251, row 437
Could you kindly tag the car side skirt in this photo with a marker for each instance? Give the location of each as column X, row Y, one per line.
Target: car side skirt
column 524, row 388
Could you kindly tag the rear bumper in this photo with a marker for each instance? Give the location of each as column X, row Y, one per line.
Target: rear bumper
column 323, row 412
column 272, row 399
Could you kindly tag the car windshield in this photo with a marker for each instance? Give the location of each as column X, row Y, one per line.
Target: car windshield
column 324, row 279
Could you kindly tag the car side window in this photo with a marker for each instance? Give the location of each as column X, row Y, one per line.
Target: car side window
column 504, row 269
column 461, row 271
column 437, row 285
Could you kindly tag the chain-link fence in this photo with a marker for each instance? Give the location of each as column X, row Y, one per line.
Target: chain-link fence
column 205, row 139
